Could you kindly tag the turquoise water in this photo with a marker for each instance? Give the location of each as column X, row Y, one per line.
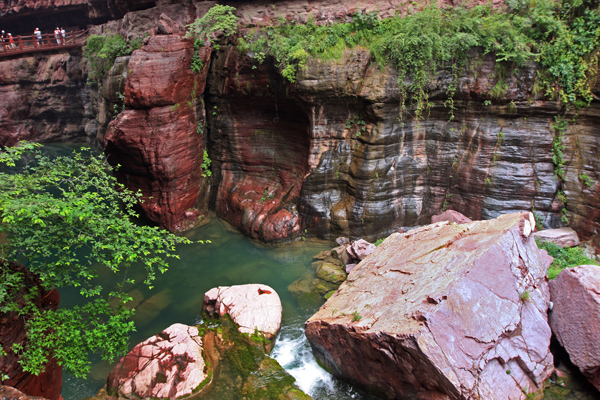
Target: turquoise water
column 231, row 259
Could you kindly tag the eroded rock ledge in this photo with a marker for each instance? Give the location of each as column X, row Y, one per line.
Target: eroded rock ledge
column 443, row 312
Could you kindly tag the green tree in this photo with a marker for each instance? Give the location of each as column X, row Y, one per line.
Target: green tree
column 67, row 219
column 219, row 18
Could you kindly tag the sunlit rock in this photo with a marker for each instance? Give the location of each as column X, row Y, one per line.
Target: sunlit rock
column 443, row 311
column 168, row 365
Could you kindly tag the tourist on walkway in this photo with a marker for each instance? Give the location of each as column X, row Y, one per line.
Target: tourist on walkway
column 38, row 35
column 57, row 35
column 11, row 42
column 63, row 35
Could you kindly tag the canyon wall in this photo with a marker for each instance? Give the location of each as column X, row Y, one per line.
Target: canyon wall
column 326, row 156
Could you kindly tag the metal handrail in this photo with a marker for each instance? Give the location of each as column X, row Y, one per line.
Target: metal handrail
column 28, row 44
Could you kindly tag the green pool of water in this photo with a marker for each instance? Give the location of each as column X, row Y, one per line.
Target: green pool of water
column 230, row 259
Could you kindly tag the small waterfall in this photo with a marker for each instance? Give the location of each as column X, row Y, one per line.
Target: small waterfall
column 292, row 351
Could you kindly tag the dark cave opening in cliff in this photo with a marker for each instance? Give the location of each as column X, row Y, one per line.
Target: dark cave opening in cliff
column 262, row 149
column 74, row 18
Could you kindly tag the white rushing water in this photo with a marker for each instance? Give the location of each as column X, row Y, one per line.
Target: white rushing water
column 292, row 351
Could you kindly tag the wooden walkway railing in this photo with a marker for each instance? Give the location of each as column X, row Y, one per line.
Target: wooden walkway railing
column 30, row 44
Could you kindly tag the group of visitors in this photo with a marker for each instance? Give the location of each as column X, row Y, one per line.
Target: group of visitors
column 60, row 35
column 7, row 40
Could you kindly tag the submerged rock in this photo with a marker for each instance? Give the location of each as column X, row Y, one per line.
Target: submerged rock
column 254, row 308
column 443, row 312
column 575, row 317
column 168, row 365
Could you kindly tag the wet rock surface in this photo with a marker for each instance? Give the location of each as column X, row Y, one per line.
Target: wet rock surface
column 168, row 365
column 575, row 317
column 443, row 311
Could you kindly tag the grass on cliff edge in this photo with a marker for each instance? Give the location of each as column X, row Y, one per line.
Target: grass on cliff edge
column 563, row 36
column 564, row 257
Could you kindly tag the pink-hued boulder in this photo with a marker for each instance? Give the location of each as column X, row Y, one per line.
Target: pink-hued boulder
column 563, row 237
column 451, row 216
column 253, row 307
column 575, row 317
column 360, row 249
column 443, row 312
column 168, row 365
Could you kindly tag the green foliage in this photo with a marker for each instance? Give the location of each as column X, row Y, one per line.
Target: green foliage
column 356, row 316
column 102, row 51
column 562, row 36
column 379, row 241
column 558, row 159
column 359, row 123
column 219, row 18
column 64, row 223
column 266, row 196
column 563, row 257
column 586, row 180
column 196, row 64
column 206, row 161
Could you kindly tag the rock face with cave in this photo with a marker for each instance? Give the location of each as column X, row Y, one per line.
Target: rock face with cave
column 325, row 156
column 444, row 311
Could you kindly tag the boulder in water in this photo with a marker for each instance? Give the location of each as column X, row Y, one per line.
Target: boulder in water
column 252, row 307
column 168, row 365
column 443, row 311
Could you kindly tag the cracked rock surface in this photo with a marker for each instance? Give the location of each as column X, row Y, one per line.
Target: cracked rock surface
column 575, row 317
column 444, row 311
column 253, row 307
column 167, row 365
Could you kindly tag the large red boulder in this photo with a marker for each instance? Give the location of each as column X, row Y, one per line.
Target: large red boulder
column 443, row 312
column 253, row 307
column 575, row 317
column 168, row 365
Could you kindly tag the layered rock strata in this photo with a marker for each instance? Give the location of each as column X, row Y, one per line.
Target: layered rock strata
column 575, row 317
column 443, row 312
column 329, row 154
column 157, row 140
column 44, row 99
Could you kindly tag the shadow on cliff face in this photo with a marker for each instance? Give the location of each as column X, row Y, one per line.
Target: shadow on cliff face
column 264, row 145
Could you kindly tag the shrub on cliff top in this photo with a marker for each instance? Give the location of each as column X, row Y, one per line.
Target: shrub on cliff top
column 219, row 18
column 102, row 51
column 66, row 220
column 563, row 36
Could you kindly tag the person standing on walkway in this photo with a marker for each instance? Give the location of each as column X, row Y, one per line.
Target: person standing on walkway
column 57, row 35
column 11, row 41
column 38, row 35
column 63, row 35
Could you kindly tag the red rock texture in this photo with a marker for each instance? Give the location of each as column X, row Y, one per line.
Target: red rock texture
column 451, row 216
column 443, row 312
column 42, row 98
column 575, row 317
column 12, row 330
column 168, row 365
column 10, row 393
column 156, row 139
